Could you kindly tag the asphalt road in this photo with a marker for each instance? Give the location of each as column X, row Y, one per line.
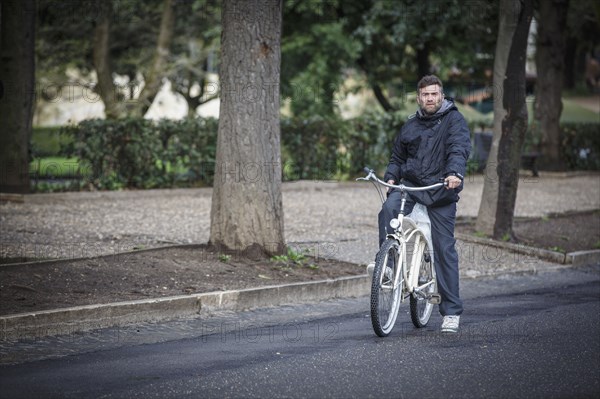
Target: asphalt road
column 522, row 336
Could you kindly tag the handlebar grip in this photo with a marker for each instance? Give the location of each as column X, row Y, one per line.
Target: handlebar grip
column 367, row 170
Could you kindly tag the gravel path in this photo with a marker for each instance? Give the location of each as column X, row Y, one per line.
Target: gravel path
column 329, row 218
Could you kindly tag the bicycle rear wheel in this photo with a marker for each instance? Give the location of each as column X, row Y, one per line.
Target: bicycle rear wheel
column 420, row 307
column 385, row 295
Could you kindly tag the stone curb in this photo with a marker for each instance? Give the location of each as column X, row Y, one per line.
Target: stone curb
column 552, row 256
column 91, row 317
column 578, row 258
column 581, row 258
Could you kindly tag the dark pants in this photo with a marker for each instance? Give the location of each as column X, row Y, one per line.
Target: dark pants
column 442, row 234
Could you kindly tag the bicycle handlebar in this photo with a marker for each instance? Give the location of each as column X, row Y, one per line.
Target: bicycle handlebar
column 372, row 177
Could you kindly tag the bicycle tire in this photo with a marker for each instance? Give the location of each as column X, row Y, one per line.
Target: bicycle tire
column 385, row 298
column 421, row 308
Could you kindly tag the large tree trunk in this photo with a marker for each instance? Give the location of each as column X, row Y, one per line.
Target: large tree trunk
column 247, row 212
column 549, row 59
column 17, row 75
column 487, row 208
column 510, row 120
column 570, row 58
column 423, row 64
column 514, row 125
column 154, row 79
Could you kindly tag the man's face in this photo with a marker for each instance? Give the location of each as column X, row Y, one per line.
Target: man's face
column 430, row 99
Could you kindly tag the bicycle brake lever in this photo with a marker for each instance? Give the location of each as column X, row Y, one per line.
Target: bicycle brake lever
column 370, row 173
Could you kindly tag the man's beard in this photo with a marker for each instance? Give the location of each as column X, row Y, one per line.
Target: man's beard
column 433, row 107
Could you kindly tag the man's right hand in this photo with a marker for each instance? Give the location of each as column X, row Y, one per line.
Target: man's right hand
column 390, row 182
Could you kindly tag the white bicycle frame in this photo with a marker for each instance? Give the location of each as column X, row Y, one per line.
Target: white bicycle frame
column 410, row 276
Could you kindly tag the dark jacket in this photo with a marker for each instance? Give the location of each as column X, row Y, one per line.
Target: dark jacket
column 429, row 148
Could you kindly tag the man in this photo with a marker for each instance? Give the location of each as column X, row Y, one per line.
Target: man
column 433, row 145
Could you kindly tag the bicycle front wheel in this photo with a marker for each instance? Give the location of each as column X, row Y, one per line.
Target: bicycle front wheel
column 385, row 291
column 420, row 306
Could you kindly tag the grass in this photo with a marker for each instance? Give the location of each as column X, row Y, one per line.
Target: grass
column 480, row 234
column 55, row 167
column 557, row 249
column 48, row 141
column 572, row 112
column 224, row 258
column 293, row 258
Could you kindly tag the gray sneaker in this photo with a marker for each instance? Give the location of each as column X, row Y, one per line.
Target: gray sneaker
column 370, row 268
column 450, row 324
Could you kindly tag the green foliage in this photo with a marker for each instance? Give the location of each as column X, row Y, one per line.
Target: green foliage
column 65, row 43
column 120, row 153
column 581, row 145
column 191, row 145
column 331, row 148
column 557, row 249
column 66, row 30
column 310, row 147
column 47, row 141
column 390, row 43
column 370, row 140
column 224, row 258
column 139, row 153
column 293, row 258
column 312, row 63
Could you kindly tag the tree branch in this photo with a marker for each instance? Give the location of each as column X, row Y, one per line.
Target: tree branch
column 153, row 82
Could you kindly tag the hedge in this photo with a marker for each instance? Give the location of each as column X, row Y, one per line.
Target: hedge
column 581, row 145
column 139, row 153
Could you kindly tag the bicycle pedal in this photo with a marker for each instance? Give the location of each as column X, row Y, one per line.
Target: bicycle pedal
column 435, row 299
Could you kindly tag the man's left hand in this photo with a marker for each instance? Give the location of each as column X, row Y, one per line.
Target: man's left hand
column 452, row 182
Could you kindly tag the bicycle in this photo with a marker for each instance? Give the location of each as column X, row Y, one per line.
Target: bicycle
column 404, row 265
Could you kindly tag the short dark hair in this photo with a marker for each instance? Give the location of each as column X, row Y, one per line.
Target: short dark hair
column 429, row 80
